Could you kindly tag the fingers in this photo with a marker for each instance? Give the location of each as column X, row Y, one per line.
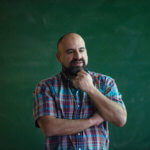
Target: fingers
column 82, row 73
column 83, row 81
column 77, row 78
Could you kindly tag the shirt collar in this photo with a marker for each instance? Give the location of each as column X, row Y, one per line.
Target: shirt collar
column 66, row 79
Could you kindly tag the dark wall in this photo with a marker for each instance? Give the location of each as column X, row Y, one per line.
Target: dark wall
column 117, row 34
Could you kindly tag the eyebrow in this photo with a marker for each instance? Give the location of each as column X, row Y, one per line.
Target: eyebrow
column 73, row 49
column 82, row 48
column 70, row 49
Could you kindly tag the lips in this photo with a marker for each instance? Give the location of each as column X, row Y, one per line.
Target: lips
column 78, row 63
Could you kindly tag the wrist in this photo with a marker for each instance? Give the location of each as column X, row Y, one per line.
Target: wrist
column 91, row 90
column 91, row 122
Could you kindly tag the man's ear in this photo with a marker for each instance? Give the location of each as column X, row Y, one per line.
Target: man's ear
column 58, row 57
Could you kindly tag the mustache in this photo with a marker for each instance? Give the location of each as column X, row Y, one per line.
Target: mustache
column 75, row 60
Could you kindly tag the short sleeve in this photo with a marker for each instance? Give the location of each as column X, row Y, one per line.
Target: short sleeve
column 44, row 103
column 112, row 92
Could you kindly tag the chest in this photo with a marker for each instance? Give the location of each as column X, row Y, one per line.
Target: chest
column 73, row 104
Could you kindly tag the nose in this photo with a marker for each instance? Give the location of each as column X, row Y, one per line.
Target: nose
column 77, row 55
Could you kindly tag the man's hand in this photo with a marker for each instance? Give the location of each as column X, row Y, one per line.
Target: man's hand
column 83, row 81
column 96, row 119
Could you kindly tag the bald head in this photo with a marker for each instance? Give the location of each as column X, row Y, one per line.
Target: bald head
column 68, row 37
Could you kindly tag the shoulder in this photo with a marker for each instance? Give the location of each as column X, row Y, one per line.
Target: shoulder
column 101, row 77
column 47, row 82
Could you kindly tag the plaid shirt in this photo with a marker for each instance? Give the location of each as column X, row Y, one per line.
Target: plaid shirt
column 57, row 97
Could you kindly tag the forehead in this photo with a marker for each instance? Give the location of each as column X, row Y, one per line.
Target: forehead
column 72, row 41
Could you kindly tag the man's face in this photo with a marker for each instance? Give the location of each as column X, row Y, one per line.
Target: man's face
column 72, row 53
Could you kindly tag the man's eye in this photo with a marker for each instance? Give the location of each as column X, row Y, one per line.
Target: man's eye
column 82, row 50
column 69, row 52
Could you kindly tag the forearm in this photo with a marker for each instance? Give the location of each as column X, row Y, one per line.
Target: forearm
column 109, row 110
column 67, row 127
column 54, row 126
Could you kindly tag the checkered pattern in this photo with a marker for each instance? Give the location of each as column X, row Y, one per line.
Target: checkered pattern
column 57, row 97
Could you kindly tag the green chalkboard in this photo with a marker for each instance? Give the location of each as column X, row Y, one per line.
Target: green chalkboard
column 117, row 34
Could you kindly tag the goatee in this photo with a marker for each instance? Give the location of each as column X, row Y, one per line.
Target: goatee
column 73, row 70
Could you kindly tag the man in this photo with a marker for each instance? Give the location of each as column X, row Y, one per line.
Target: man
column 74, row 107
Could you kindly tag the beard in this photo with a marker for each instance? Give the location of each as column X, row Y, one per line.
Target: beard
column 73, row 70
